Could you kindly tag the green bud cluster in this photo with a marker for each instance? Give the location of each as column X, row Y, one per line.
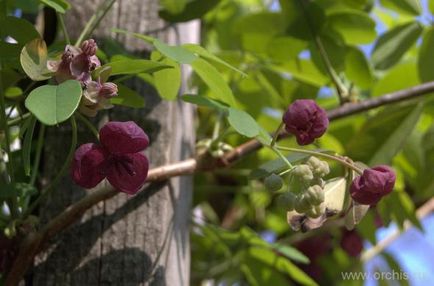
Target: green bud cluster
column 309, row 177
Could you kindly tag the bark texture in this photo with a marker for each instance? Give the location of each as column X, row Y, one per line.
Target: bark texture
column 141, row 240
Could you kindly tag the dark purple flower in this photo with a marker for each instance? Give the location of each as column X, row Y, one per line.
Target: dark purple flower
column 351, row 243
column 306, row 120
column 118, row 158
column 372, row 185
column 76, row 63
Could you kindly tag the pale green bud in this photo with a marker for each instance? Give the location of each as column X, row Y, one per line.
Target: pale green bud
column 273, row 182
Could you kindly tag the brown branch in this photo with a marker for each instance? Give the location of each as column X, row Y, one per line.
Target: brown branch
column 33, row 243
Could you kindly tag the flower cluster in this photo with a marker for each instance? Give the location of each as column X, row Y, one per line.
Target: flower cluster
column 305, row 120
column 78, row 63
column 372, row 185
column 118, row 158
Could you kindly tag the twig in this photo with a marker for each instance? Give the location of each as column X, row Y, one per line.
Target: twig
column 32, row 245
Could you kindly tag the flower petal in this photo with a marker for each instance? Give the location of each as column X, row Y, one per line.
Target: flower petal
column 128, row 173
column 123, row 137
column 88, row 165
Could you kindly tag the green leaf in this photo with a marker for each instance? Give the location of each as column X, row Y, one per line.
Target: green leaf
column 205, row 101
column 399, row 77
column 291, row 253
column 27, row 145
column 214, row 80
column 431, row 6
column 384, row 135
column 193, row 10
column 392, row 45
column 167, row 81
column 357, row 69
column 354, row 26
column 133, row 66
column 409, row 7
column 243, row 123
column 19, row 29
column 34, row 60
column 173, row 6
column 209, row 56
column 59, row 5
column 285, row 48
column 13, row 91
column 53, row 104
column 176, row 53
column 303, row 70
column 128, row 97
column 425, row 60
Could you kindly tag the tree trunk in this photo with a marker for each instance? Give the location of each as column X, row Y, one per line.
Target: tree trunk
column 140, row 240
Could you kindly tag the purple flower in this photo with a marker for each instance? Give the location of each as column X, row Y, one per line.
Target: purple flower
column 372, row 185
column 96, row 96
column 118, row 158
column 351, row 243
column 306, row 120
column 76, row 63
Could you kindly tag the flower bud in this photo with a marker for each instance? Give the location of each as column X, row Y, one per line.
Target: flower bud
column 273, row 182
column 108, row 90
column 303, row 172
column 315, row 195
column 316, row 211
column 319, row 168
column 372, row 185
column 306, row 120
column 302, row 205
column 287, row 200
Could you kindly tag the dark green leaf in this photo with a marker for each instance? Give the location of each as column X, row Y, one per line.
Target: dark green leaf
column 59, row 5
column 425, row 60
column 291, row 253
column 392, row 45
column 53, row 104
column 409, row 7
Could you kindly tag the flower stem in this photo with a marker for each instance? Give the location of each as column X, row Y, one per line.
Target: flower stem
column 94, row 21
column 63, row 27
column 39, row 146
column 276, row 134
column 324, row 155
column 45, row 192
column 88, row 124
column 17, row 120
column 281, row 156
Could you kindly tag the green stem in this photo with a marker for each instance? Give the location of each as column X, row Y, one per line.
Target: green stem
column 276, row 134
column 94, row 21
column 324, row 155
column 340, row 87
column 88, row 124
column 17, row 120
column 63, row 27
column 45, row 192
column 281, row 156
column 216, row 131
column 39, row 146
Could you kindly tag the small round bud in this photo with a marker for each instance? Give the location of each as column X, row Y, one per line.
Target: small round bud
column 303, row 172
column 316, row 211
column 287, row 200
column 273, row 182
column 302, row 205
column 319, row 168
column 315, row 195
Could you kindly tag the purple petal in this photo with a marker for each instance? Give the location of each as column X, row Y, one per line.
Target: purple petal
column 123, row 137
column 88, row 165
column 127, row 173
